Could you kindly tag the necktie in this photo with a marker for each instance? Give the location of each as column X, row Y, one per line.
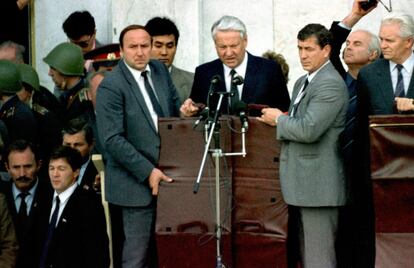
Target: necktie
column 50, row 230
column 234, row 92
column 22, row 213
column 399, row 88
column 299, row 97
column 155, row 104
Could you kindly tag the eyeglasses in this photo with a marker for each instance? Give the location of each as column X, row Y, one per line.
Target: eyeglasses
column 83, row 43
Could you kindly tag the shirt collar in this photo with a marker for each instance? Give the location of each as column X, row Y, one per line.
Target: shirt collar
column 240, row 69
column 64, row 196
column 312, row 75
column 32, row 190
column 136, row 72
column 408, row 64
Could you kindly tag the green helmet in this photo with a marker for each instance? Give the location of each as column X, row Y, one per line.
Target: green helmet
column 67, row 58
column 29, row 76
column 10, row 80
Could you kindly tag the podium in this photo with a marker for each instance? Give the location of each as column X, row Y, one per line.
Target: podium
column 392, row 173
column 254, row 215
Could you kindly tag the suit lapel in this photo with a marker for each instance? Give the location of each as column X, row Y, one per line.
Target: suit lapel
column 156, row 78
column 410, row 91
column 137, row 93
column 250, row 79
column 384, row 78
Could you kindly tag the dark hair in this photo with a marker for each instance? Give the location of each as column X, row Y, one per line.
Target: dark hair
column 130, row 28
column 20, row 146
column 77, row 125
column 322, row 35
column 280, row 59
column 72, row 156
column 162, row 26
column 79, row 23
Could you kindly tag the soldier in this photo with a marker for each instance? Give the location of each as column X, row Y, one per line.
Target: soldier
column 17, row 116
column 67, row 72
column 104, row 58
column 41, row 102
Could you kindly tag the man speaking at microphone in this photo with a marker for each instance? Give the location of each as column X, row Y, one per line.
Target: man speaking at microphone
column 263, row 79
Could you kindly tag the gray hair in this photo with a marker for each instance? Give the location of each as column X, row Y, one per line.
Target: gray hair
column 228, row 23
column 374, row 42
column 405, row 22
column 18, row 48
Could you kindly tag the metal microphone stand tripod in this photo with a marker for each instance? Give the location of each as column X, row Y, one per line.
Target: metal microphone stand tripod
column 217, row 153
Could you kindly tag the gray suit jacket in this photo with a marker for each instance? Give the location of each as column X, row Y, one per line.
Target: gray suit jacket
column 311, row 168
column 375, row 88
column 183, row 81
column 127, row 132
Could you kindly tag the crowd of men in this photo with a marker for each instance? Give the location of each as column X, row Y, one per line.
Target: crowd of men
column 107, row 99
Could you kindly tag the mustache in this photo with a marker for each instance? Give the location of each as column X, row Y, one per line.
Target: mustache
column 24, row 179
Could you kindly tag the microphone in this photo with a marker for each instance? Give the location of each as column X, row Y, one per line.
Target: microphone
column 237, row 80
column 214, row 81
column 240, row 108
column 203, row 116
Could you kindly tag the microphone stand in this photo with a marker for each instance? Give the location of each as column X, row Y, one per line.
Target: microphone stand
column 217, row 154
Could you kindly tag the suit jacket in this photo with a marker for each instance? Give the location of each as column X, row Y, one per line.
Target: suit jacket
column 340, row 34
column 183, row 81
column 375, row 88
column 88, row 177
column 311, row 168
column 263, row 83
column 80, row 238
column 128, row 134
column 8, row 241
column 43, row 193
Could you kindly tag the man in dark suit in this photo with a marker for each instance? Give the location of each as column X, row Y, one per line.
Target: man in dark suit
column 130, row 100
column 78, row 134
column 263, row 79
column 387, row 85
column 356, row 231
column 165, row 36
column 26, row 195
column 73, row 231
column 311, row 168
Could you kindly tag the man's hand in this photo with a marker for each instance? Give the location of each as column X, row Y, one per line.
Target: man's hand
column 189, row 108
column 269, row 116
column 22, row 3
column 404, row 104
column 356, row 13
column 155, row 178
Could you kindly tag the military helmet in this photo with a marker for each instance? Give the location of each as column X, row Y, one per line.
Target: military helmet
column 10, row 80
column 67, row 58
column 29, row 76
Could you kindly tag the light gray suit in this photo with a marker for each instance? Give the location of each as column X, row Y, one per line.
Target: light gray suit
column 311, row 168
column 132, row 145
column 183, row 81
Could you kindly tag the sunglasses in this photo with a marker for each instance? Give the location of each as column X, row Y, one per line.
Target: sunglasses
column 84, row 43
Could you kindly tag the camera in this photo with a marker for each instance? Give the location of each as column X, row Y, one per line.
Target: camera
column 368, row 4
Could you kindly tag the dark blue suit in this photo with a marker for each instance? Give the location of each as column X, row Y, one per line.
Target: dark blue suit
column 263, row 83
column 356, row 231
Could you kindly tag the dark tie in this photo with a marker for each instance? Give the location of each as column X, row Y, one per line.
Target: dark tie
column 234, row 92
column 399, row 88
column 155, row 104
column 22, row 213
column 296, row 104
column 50, row 230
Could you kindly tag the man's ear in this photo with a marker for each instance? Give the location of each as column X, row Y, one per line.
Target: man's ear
column 373, row 55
